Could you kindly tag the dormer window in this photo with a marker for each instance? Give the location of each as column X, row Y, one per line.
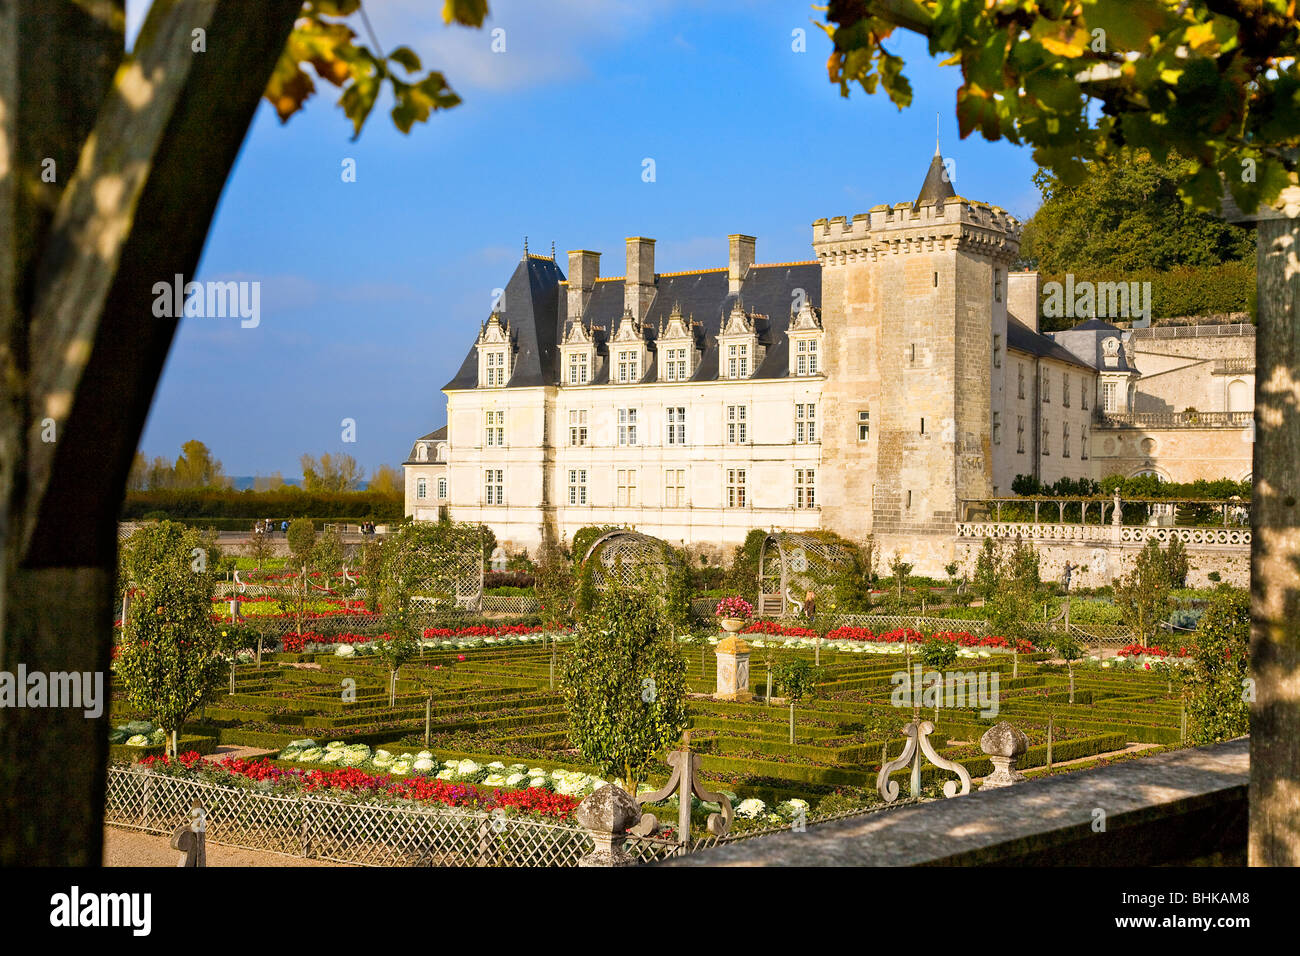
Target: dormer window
column 494, row 350
column 628, row 351
column 676, row 342
column 579, row 369
column 737, row 361
column 738, row 349
column 422, row 452
column 805, row 335
column 629, row 366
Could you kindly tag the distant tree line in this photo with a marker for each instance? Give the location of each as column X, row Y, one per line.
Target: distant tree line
column 283, row 502
column 196, row 468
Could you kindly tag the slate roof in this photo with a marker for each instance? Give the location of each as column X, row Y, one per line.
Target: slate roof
column 1024, row 339
column 438, row 434
column 536, row 308
column 529, row 306
column 937, row 186
column 1084, row 341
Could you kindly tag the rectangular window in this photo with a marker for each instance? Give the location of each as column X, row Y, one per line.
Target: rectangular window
column 1083, row 393
column 1020, row 434
column 577, row 426
column 1020, row 379
column 1046, row 388
column 864, row 425
column 626, row 488
column 805, row 487
column 1108, row 396
column 442, row 487
column 627, row 426
column 737, row 361
column 675, row 364
column 577, row 486
column 1047, row 440
column 736, row 424
column 578, row 368
column 1083, row 443
column 494, row 486
column 629, row 366
column 806, row 357
column 1065, row 390
column 421, row 488
column 1065, row 440
column 735, row 487
column 997, row 351
column 675, row 488
column 494, row 429
column 997, row 428
column 805, row 422
column 922, row 426
column 496, row 368
column 676, row 419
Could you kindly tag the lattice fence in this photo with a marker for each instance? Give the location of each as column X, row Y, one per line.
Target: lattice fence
column 370, row 834
column 510, row 604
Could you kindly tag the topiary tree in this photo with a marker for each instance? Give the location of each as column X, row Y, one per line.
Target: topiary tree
column 1143, row 593
column 1219, row 708
column 624, row 685
column 1176, row 562
column 797, row 678
column 169, row 659
column 302, row 538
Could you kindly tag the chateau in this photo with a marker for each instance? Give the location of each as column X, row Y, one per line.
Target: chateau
column 871, row 390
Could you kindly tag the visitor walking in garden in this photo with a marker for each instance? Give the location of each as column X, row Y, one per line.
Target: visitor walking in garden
column 810, row 606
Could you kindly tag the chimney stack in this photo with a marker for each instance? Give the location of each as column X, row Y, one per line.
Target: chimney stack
column 639, row 283
column 740, row 258
column 584, row 269
column 1023, row 295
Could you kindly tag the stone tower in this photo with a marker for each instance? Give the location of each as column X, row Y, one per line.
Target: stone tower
column 912, row 295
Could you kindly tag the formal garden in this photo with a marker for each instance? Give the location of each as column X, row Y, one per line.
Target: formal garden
column 386, row 714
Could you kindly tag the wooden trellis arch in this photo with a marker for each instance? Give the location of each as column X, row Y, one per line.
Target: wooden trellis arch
column 629, row 559
column 790, row 563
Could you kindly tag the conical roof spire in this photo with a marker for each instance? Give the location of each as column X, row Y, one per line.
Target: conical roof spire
column 937, row 186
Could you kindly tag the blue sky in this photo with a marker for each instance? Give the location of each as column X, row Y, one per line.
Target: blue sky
column 372, row 292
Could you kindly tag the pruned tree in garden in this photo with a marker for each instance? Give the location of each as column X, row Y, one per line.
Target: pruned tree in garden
column 797, row 678
column 301, row 538
column 624, row 685
column 1176, row 563
column 1010, row 578
column 1143, row 593
column 1219, row 708
column 171, row 654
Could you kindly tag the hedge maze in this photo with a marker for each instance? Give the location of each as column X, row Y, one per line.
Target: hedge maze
column 491, row 703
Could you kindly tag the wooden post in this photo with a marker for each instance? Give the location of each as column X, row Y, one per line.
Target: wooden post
column 1049, row 743
column 428, row 718
column 232, row 676
column 791, row 721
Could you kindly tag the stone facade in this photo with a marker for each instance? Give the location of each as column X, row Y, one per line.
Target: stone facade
column 871, row 391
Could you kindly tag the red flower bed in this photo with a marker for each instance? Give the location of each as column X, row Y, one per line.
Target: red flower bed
column 534, row 801
column 898, row 635
column 1133, row 650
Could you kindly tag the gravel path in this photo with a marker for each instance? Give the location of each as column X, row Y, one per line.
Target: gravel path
column 134, row 848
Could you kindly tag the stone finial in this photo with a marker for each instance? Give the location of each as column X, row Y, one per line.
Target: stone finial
column 1003, row 743
column 608, row 814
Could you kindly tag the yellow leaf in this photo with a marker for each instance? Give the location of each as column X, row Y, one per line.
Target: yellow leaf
column 1063, row 48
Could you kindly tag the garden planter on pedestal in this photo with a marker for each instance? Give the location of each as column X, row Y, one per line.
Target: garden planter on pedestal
column 733, row 670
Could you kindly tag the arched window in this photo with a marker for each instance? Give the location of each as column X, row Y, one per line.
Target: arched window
column 1239, row 397
column 422, row 452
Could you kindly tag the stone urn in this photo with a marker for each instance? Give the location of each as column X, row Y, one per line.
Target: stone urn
column 1004, row 744
column 732, row 625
